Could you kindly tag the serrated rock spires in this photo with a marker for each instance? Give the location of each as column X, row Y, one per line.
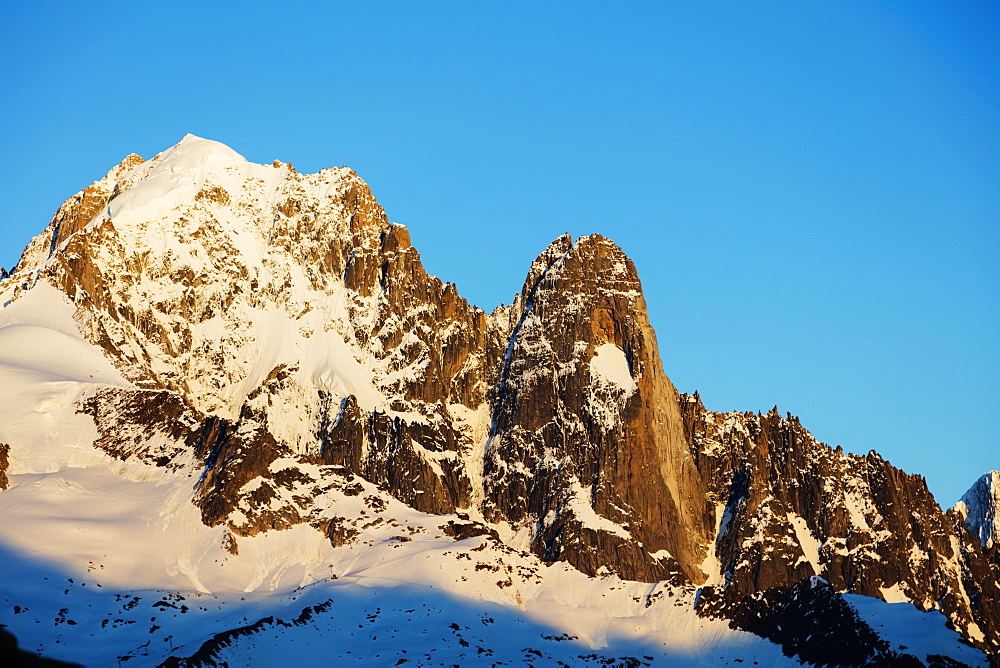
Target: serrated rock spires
column 791, row 508
column 278, row 329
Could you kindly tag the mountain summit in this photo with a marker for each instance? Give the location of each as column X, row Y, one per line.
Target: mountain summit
column 225, row 378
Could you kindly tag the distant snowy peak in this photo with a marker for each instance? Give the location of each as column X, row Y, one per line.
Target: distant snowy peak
column 979, row 507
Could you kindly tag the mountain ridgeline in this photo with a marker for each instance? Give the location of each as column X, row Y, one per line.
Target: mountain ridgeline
column 279, row 329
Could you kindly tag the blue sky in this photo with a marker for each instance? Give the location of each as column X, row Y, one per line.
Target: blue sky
column 810, row 191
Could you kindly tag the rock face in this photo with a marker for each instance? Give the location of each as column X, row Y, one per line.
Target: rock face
column 790, row 508
column 4, row 450
column 980, row 509
column 586, row 439
column 279, row 330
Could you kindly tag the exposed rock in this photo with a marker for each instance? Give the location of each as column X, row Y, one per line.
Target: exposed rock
column 4, row 452
column 417, row 462
column 809, row 620
column 463, row 530
column 601, row 466
column 340, row 531
column 155, row 427
column 229, row 544
column 789, row 507
column 206, row 654
column 980, row 511
column 287, row 348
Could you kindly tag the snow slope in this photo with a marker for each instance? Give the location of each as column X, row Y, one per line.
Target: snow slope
column 95, row 547
column 219, row 285
column 910, row 631
column 46, row 368
column 91, row 554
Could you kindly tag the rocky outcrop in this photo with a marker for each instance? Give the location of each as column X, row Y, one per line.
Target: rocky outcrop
column 417, row 462
column 4, row 453
column 155, row 427
column 207, row 654
column 287, row 349
column 809, row 620
column 789, row 508
column 587, row 441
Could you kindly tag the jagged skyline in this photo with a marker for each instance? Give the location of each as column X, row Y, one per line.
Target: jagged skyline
column 234, row 379
column 807, row 191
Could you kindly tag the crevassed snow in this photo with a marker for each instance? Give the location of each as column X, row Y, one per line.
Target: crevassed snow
column 610, row 364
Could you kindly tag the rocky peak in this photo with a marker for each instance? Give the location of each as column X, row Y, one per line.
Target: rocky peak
column 587, row 441
column 276, row 329
column 194, row 267
column 980, row 510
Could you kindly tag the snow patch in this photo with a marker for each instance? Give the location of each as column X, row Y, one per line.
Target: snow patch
column 579, row 504
column 807, row 541
column 711, row 565
column 46, row 369
column 611, row 365
column 894, row 594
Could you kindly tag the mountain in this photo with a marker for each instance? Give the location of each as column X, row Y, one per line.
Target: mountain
column 239, row 422
column 979, row 509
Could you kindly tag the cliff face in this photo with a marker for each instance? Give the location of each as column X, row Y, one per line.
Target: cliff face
column 276, row 329
column 790, row 508
column 979, row 508
column 586, row 440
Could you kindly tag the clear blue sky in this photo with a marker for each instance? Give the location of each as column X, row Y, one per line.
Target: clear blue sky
column 810, row 190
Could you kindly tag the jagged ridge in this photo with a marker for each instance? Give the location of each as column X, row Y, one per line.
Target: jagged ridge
column 277, row 328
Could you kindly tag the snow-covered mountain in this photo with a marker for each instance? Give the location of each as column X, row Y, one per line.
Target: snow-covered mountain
column 239, row 422
column 980, row 508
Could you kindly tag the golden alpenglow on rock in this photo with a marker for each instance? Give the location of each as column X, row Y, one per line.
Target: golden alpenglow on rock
column 240, row 423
